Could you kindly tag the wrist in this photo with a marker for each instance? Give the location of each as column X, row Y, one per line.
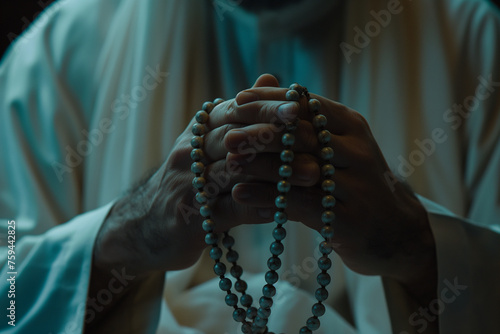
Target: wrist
column 418, row 272
column 119, row 241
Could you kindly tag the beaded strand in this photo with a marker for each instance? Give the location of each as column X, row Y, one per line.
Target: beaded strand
column 255, row 320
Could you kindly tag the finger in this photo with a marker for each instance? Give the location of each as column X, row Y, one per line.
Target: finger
column 225, row 209
column 221, row 176
column 304, row 204
column 269, row 138
column 275, row 112
column 340, row 119
column 266, row 80
column 265, row 167
column 266, row 138
column 213, row 142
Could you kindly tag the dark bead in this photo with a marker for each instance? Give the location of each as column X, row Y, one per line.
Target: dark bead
column 228, row 241
column 208, row 225
column 240, row 285
column 328, row 201
column 327, row 232
column 291, row 126
column 319, row 121
column 219, row 269
column 246, row 328
column 225, row 284
column 260, row 322
column 287, row 156
column 321, row 294
column 324, row 263
column 265, row 302
column 246, row 300
column 199, row 182
column 285, row 171
column 236, row 271
column 280, row 202
column 288, row 139
column 208, row 106
column 201, row 197
column 280, row 217
column 328, row 170
column 215, row 253
column 325, row 248
column 198, row 129
column 271, row 277
column 264, row 313
column 218, row 101
column 328, row 186
column 324, row 137
column 314, row 105
column 323, row 279
column 318, row 309
column 231, row 299
column 239, row 314
column 205, row 211
column 274, row 263
column 305, row 330
column 211, row 238
column 295, row 86
column 251, row 313
column 232, row 256
column 277, row 248
column 313, row 323
column 201, row 116
column 292, row 95
column 284, row 186
column 327, row 153
column 197, row 154
column 279, row 233
column 268, row 290
column 328, row 216
column 197, row 142
column 197, row 167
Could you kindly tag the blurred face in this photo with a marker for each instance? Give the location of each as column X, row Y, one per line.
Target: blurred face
column 258, row 5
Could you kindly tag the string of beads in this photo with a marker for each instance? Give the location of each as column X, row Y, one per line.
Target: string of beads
column 254, row 320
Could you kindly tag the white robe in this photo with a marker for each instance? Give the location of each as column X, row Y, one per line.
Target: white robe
column 95, row 93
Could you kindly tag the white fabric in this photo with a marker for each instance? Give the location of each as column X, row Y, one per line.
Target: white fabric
column 96, row 93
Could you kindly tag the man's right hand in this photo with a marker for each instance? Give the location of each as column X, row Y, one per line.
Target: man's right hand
column 157, row 227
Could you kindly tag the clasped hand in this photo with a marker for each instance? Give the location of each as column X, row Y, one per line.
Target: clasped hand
column 380, row 227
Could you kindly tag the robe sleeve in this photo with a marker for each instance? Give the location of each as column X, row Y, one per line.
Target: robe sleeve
column 468, row 254
column 46, row 95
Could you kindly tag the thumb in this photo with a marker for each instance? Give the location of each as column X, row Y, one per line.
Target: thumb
column 266, row 80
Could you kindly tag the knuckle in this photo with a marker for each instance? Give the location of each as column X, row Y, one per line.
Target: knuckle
column 359, row 121
column 180, row 158
column 229, row 110
column 265, row 111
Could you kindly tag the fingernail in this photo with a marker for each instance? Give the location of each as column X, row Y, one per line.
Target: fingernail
column 287, row 112
column 246, row 97
column 241, row 193
column 265, row 213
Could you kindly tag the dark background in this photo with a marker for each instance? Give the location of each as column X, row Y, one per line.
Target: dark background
column 16, row 15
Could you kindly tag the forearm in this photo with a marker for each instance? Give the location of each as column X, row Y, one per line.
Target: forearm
column 413, row 288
